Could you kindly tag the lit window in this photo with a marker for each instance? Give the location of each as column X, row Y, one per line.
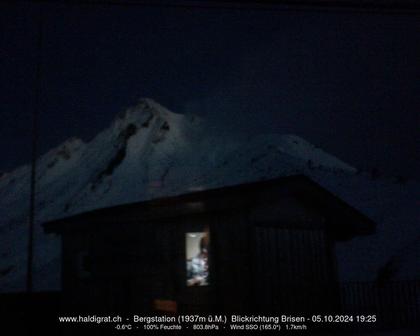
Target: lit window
column 197, row 252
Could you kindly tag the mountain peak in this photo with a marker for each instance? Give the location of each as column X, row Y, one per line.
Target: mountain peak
column 148, row 152
column 143, row 112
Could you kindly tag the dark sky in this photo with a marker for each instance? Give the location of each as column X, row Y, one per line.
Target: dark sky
column 347, row 82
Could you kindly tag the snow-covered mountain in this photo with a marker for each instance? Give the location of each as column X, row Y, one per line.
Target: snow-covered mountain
column 149, row 151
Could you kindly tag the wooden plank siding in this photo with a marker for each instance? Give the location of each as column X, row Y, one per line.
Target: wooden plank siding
column 232, row 253
column 293, row 273
column 271, row 248
column 251, row 262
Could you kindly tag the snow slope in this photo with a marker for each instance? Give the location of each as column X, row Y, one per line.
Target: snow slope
column 149, row 151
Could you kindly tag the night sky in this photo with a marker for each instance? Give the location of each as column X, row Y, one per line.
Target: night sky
column 347, row 82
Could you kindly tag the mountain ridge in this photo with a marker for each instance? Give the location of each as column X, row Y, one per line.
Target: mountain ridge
column 149, row 152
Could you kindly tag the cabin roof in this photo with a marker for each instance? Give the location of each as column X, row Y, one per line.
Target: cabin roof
column 349, row 222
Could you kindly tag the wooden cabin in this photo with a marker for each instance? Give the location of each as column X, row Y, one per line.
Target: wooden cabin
column 263, row 246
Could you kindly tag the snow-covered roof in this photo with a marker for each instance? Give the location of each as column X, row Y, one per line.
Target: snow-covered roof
column 344, row 221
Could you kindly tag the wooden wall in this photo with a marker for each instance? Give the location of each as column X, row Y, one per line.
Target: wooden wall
column 270, row 255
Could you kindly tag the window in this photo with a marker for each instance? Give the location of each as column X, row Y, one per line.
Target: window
column 197, row 254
